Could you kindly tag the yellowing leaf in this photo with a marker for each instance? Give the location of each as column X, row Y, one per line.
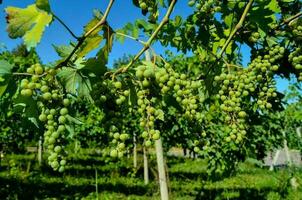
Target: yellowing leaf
column 28, row 23
column 90, row 44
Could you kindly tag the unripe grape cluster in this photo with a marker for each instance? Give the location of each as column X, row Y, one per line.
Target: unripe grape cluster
column 122, row 93
column 205, row 6
column 149, row 6
column 263, row 68
column 238, row 85
column 235, row 87
column 184, row 90
column 295, row 58
column 254, row 37
column 119, row 139
column 148, row 114
column 53, row 110
column 297, row 31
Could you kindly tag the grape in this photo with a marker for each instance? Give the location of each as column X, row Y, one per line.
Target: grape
column 64, row 111
column 118, row 85
column 114, row 153
column 66, row 102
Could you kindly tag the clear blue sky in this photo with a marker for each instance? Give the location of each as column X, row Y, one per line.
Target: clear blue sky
column 77, row 13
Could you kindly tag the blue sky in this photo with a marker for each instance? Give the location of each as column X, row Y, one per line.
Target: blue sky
column 77, row 13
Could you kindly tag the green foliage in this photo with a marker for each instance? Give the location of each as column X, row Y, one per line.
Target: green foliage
column 207, row 102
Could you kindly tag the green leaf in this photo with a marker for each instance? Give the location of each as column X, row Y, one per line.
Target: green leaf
column 27, row 105
column 118, row 37
column 75, row 83
column 28, row 23
column 274, row 6
column 5, row 68
column 5, row 74
column 228, row 20
column 63, row 50
column 43, row 5
column 3, row 89
column 74, row 120
column 161, row 115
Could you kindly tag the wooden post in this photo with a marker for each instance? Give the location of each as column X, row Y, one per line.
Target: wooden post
column 40, row 151
column 96, row 184
column 161, row 170
column 134, row 152
column 146, row 167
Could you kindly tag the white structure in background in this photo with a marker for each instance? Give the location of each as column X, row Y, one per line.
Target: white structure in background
column 284, row 156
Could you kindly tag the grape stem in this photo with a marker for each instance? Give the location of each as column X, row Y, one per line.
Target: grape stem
column 87, row 34
column 137, row 40
column 288, row 20
column 237, row 27
column 147, row 45
column 130, row 37
column 65, row 26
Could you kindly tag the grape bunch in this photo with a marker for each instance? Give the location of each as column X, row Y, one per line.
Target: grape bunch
column 147, row 98
column 43, row 87
column 119, row 138
column 239, row 85
column 149, row 114
column 254, row 37
column 295, row 58
column 205, row 6
column 184, row 90
column 297, row 31
column 235, row 88
column 122, row 93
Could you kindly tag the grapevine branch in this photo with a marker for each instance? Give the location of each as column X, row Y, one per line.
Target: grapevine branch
column 65, row 26
column 288, row 20
column 237, row 27
column 150, row 40
column 82, row 39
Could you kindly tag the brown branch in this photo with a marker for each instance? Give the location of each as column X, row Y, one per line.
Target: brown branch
column 82, row 39
column 147, row 45
column 237, row 27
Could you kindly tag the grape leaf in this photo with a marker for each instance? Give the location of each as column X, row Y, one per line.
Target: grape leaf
column 63, row 50
column 43, row 5
column 28, row 23
column 5, row 68
column 273, row 6
column 90, row 44
column 27, row 105
column 2, row 89
column 75, row 83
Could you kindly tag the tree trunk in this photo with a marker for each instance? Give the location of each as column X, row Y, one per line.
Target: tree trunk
column 146, row 168
column 161, row 170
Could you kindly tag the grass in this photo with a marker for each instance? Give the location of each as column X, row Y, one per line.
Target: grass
column 21, row 178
